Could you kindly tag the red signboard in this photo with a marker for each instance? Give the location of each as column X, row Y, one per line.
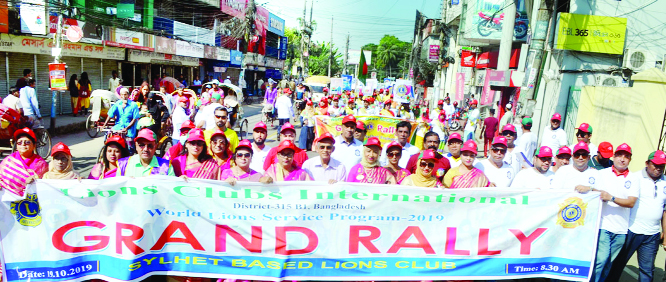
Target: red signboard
column 489, row 59
column 468, row 59
column 257, row 43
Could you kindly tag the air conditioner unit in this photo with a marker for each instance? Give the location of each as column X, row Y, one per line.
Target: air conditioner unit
column 607, row 80
column 638, row 60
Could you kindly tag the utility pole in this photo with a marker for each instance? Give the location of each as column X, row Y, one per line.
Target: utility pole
column 417, row 28
column 535, row 54
column 330, row 47
column 346, row 54
column 57, row 54
column 507, row 35
column 307, row 59
column 303, row 25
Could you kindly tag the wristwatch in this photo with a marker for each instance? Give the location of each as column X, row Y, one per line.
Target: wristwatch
column 613, row 199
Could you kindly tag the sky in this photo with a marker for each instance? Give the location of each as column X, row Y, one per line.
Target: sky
column 366, row 21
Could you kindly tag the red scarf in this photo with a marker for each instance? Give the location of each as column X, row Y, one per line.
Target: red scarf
column 625, row 173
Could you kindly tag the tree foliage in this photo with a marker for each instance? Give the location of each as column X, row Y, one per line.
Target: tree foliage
column 319, row 57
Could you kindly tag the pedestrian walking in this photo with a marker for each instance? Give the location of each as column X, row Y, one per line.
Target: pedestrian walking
column 114, row 81
column 30, row 104
column 85, row 89
column 554, row 136
column 73, row 88
column 25, row 80
column 488, row 131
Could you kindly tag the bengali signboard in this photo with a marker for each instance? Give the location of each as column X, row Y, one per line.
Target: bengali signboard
column 235, row 8
column 223, row 54
column 139, row 56
column 597, row 34
column 165, row 45
column 275, row 24
column 189, row 49
column 130, row 39
column 43, row 46
column 236, row 58
column 433, row 53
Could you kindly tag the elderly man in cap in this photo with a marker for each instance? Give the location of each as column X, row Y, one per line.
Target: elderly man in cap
column 144, row 163
column 259, row 148
column 513, row 156
column 454, row 144
column 361, row 131
column 402, row 134
column 527, row 143
column 645, row 221
column 323, row 167
column 619, row 193
column 562, row 158
column 126, row 114
column 348, row 150
column 540, row 176
column 578, row 175
column 602, row 159
column 287, row 132
column 499, row 172
column 554, row 136
column 221, row 118
column 507, row 117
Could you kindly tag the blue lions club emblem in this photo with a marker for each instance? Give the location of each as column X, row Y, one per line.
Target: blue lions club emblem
column 572, row 213
column 357, row 152
column 627, row 184
column 591, row 180
column 27, row 211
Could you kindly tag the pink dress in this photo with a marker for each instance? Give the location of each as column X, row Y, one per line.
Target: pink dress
column 375, row 175
column 296, row 175
column 400, row 175
column 96, row 172
column 252, row 176
column 15, row 171
column 206, row 170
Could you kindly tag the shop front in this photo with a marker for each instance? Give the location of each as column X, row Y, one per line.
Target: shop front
column 163, row 63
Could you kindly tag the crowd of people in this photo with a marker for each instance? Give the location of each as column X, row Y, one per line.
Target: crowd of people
column 205, row 147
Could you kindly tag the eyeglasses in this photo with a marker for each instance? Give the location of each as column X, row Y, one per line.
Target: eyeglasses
column 221, row 117
column 424, row 164
column 581, row 134
column 24, row 143
column 286, row 155
column 197, row 143
column 243, row 155
column 394, row 154
column 326, row 147
column 507, row 133
column 499, row 150
column 146, row 145
column 578, row 155
column 359, row 131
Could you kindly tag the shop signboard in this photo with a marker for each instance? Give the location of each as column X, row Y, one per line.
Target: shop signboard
column 43, row 46
column 130, row 39
column 433, row 53
column 33, row 16
column 235, row 8
column 189, row 49
column 139, row 56
column 223, row 54
column 165, row 45
column 485, row 18
column 274, row 63
column 275, row 24
column 236, row 58
column 91, row 32
column 467, row 59
column 210, row 52
column 587, row 33
column 58, row 76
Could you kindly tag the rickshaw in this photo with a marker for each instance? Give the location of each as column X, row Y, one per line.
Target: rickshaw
column 10, row 121
column 233, row 98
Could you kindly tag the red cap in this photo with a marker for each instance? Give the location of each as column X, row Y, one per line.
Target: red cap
column 360, row 125
column 556, row 116
column 469, row 146
column 336, row 97
column 60, row 148
column 245, row 143
column 218, row 133
column 455, row 136
column 605, row 150
column 287, row 126
column 323, row 103
column 286, row 144
column 309, row 103
column 325, row 89
column 326, row 136
column 440, row 102
column 388, row 102
column 581, row 146
column 286, row 90
column 196, row 135
column 544, row 152
column 24, row 131
column 393, row 144
column 116, row 139
column 564, row 151
column 260, row 125
column 657, row 157
column 187, row 124
column 509, row 127
column 428, row 155
column 584, row 127
column 348, row 118
column 381, row 90
column 623, row 148
column 146, row 134
column 372, row 141
column 474, row 102
column 360, row 94
column 183, row 99
column 442, row 112
column 500, row 140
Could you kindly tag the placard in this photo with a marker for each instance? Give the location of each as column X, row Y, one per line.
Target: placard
column 597, row 34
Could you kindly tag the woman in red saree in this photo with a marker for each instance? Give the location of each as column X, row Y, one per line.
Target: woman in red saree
column 466, row 175
column 24, row 165
column 114, row 150
column 393, row 154
column 194, row 161
column 369, row 170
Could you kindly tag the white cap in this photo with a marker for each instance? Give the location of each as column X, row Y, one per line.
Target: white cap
column 228, row 76
column 508, row 106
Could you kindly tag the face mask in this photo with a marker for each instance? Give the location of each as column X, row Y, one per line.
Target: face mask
column 183, row 139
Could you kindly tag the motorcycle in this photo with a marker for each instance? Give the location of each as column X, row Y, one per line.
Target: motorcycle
column 489, row 24
column 456, row 121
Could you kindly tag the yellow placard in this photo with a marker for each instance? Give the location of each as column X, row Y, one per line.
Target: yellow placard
column 597, row 34
column 381, row 127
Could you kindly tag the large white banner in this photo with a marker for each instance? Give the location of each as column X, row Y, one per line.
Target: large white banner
column 124, row 229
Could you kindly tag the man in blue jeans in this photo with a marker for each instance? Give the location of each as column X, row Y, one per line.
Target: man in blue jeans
column 645, row 220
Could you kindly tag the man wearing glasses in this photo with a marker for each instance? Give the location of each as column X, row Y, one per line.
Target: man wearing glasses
column 645, row 221
column 499, row 172
column 584, row 134
column 144, row 163
column 620, row 192
column 347, row 148
column 360, row 132
column 402, row 134
column 221, row 118
column 540, row 175
column 431, row 142
column 554, row 136
column 324, row 168
column 579, row 174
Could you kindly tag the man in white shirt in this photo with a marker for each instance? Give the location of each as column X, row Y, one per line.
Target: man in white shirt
column 402, row 134
column 507, row 118
column 562, row 158
column 348, row 149
column 584, row 134
column 434, row 115
column 645, row 220
column 227, row 80
column 12, row 100
column 499, row 172
column 450, row 109
column 178, row 118
column 579, row 175
column 260, row 82
column 527, row 143
column 539, row 176
column 259, row 148
column 284, row 108
column 114, row 81
column 206, row 117
column 454, row 144
column 512, row 155
column 554, row 136
column 472, row 120
column 30, row 104
column 323, row 167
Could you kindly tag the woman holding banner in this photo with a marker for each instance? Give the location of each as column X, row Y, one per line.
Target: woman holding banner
column 24, row 165
column 369, row 170
column 194, row 161
column 285, row 169
column 393, row 154
column 241, row 170
column 61, row 166
column 114, row 150
column 423, row 175
column 466, row 175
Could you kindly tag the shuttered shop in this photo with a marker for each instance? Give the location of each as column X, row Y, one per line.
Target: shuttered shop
column 108, row 67
column 64, row 105
column 4, row 86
